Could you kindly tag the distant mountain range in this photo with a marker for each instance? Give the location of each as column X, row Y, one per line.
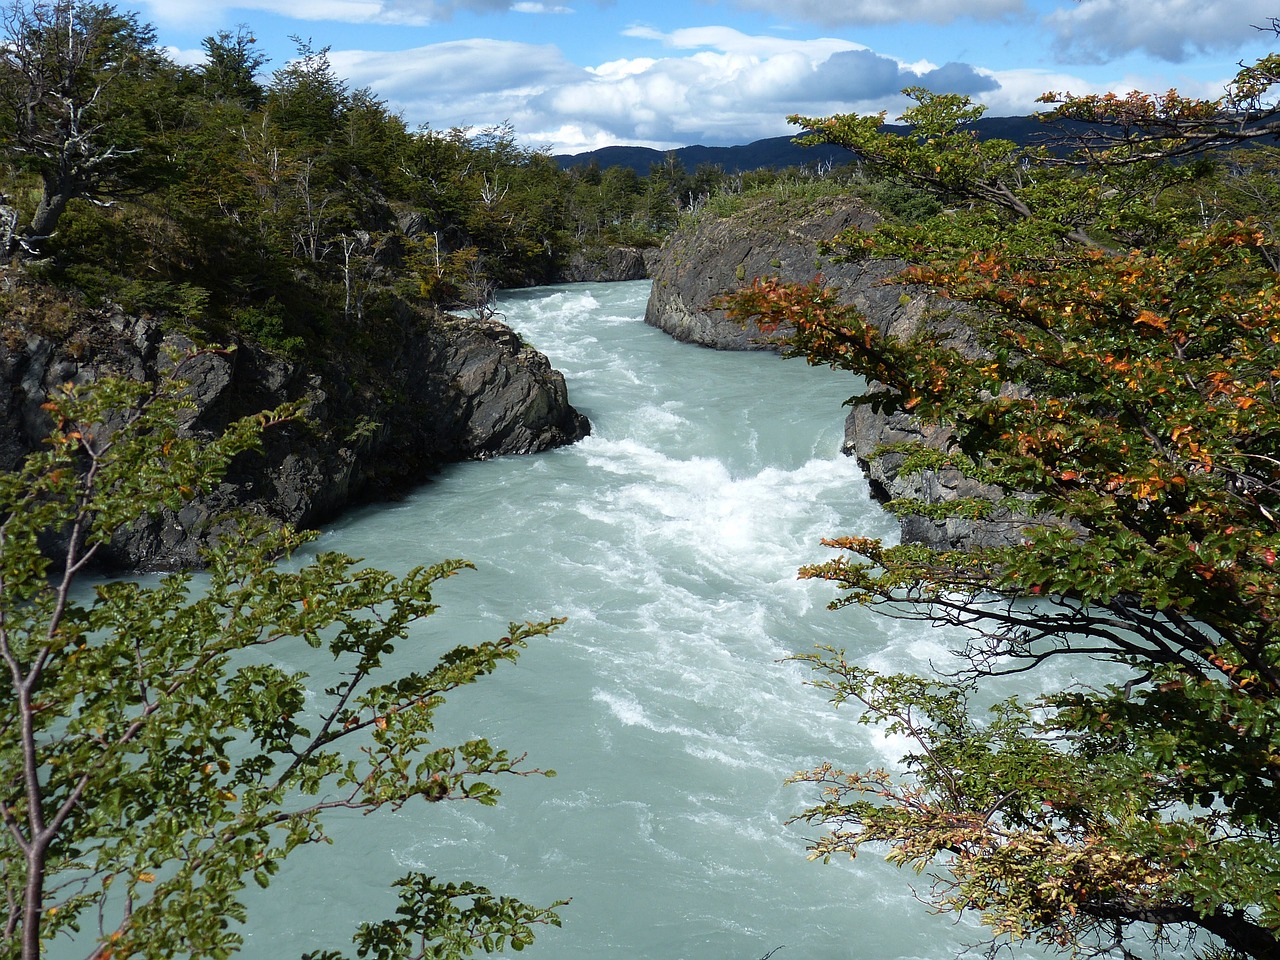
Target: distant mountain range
column 778, row 152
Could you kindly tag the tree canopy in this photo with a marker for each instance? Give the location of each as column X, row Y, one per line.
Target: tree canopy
column 71, row 105
column 1124, row 393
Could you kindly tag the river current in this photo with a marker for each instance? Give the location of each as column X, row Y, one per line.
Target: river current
column 670, row 539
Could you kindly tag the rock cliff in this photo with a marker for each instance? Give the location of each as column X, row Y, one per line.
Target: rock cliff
column 608, row 264
column 768, row 237
column 779, row 237
column 427, row 392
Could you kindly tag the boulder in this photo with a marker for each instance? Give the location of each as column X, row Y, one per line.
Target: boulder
column 768, row 237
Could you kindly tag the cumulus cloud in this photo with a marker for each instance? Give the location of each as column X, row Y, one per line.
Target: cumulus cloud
column 734, row 82
column 714, row 86
column 1171, row 30
column 447, row 79
column 841, row 13
column 860, row 76
column 403, row 12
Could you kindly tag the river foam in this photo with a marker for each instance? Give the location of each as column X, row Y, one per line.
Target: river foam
column 670, row 538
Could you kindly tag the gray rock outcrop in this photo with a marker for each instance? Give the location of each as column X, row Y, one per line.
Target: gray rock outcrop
column 608, row 264
column 769, row 237
column 773, row 237
column 430, row 393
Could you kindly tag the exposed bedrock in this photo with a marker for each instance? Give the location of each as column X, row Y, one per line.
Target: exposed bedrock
column 774, row 237
column 427, row 392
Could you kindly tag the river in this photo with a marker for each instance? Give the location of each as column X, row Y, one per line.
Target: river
column 670, row 538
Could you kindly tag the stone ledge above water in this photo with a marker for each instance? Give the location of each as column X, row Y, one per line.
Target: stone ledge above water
column 427, row 392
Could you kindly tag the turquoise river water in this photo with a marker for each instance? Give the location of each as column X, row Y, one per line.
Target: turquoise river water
column 670, row 539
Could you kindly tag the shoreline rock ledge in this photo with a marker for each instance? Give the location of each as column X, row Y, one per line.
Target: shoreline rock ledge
column 379, row 420
column 779, row 237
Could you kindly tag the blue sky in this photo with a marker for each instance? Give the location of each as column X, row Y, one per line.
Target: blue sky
column 573, row 75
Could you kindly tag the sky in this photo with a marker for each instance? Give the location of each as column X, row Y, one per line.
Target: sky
column 575, row 75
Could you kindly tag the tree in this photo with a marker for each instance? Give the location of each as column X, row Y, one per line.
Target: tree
column 1246, row 187
column 306, row 97
column 1021, row 197
column 1130, row 395
column 1141, row 126
column 231, row 68
column 69, row 104
column 153, row 757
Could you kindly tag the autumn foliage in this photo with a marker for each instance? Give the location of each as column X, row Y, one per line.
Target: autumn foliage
column 1125, row 389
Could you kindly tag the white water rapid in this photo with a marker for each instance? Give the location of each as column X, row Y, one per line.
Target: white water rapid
column 670, row 539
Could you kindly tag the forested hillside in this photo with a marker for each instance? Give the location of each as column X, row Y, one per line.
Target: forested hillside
column 293, row 230
column 273, row 200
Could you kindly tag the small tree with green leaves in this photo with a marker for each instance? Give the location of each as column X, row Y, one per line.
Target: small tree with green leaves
column 154, row 757
column 73, row 108
column 231, row 67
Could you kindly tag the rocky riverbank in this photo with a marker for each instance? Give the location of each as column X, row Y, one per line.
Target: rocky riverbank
column 778, row 237
column 767, row 237
column 423, row 391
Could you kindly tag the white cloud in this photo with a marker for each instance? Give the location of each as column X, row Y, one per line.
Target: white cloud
column 616, row 69
column 188, row 58
column 1015, row 91
column 729, row 40
column 718, row 87
column 443, row 74
column 837, row 13
column 1171, row 30
column 402, row 12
